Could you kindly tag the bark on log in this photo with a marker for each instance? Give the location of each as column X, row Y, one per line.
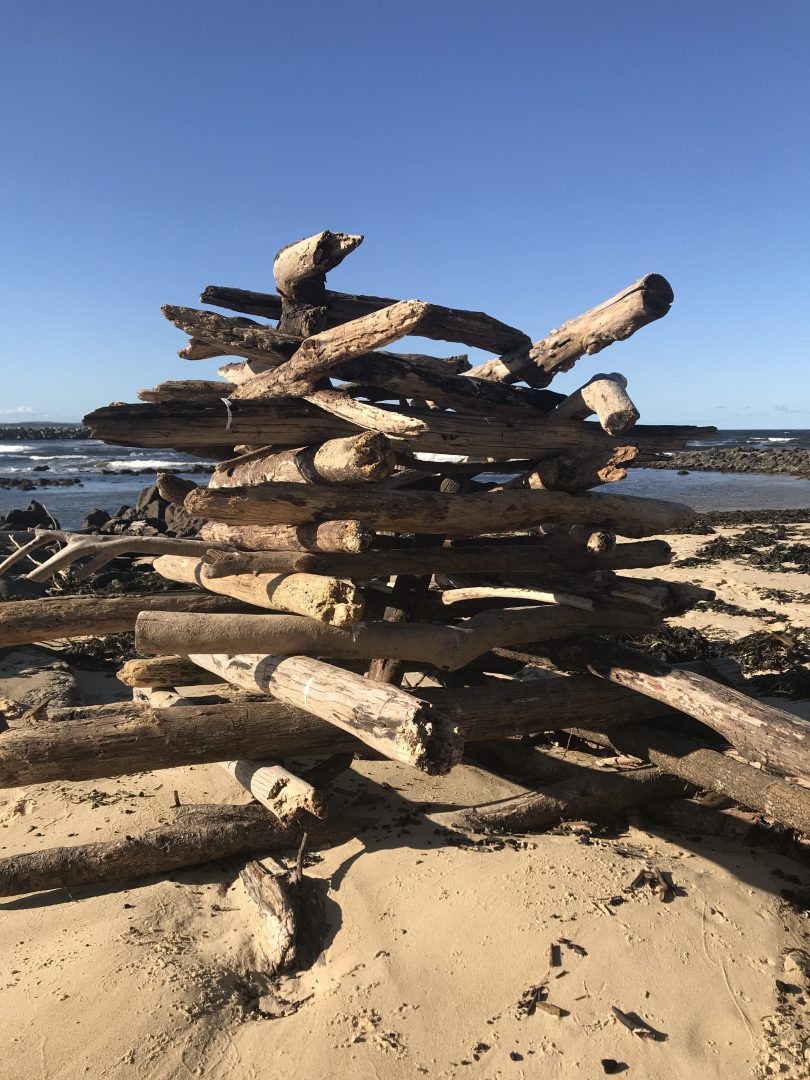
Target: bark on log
column 89, row 742
column 446, row 647
column 595, row 795
column 161, row 672
column 318, row 354
column 761, row 733
column 434, row 512
column 26, row 621
column 789, row 804
column 327, row 537
column 385, row 718
column 193, row 836
column 358, row 459
column 473, row 328
column 606, row 396
column 311, row 258
column 182, row 390
column 510, row 559
column 322, row 598
column 616, row 319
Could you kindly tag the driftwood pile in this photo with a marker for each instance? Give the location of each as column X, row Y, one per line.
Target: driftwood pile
column 359, row 533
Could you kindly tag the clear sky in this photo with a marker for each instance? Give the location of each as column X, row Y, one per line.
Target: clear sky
column 525, row 158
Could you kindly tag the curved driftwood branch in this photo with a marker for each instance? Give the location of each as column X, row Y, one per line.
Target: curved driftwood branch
column 322, row 598
column 312, row 257
column 103, row 549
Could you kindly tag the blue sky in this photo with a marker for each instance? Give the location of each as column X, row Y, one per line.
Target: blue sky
column 528, row 159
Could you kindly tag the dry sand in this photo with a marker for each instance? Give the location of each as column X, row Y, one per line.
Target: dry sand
column 434, row 935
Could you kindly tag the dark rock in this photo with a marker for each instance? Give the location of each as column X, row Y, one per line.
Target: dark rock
column 34, row 516
column 41, row 468
column 181, row 523
column 95, row 519
column 17, row 588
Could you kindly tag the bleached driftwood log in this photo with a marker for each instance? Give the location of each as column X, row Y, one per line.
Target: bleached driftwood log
column 161, row 672
column 606, row 396
column 616, row 319
column 385, row 718
column 318, row 597
column 311, row 258
column 340, row 537
column 358, row 459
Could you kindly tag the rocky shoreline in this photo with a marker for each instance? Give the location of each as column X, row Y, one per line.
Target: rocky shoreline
column 737, row 459
column 42, row 432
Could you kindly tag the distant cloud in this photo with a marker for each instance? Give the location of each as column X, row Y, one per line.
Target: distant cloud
column 18, row 410
column 785, row 409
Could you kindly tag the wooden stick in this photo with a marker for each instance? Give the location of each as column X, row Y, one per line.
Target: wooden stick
column 88, row 742
column 278, row 790
column 384, row 717
column 385, row 421
column 433, row 512
column 776, row 738
column 235, row 337
column 38, row 541
column 342, row 537
column 789, row 804
column 473, row 328
column 323, row 598
column 496, row 593
column 111, row 547
column 606, row 396
column 445, row 647
column 182, row 390
column 616, row 319
column 450, row 561
column 27, row 621
column 358, row 459
column 195, row 835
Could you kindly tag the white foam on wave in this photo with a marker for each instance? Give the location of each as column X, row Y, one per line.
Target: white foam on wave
column 150, row 463
column 14, row 448
column 775, row 439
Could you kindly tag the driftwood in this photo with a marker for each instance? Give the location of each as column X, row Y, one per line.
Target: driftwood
column 361, row 414
column 434, row 512
column 450, row 561
column 616, row 319
column 593, row 795
column 27, row 621
column 278, row 790
column 101, row 550
column 705, row 768
column 89, row 742
column 442, row 646
column 761, row 733
column 318, row 354
column 606, row 396
column 358, row 459
column 162, row 672
column 344, row 537
column 194, row 835
column 318, row 597
column 233, row 337
column 277, row 896
column 472, row 328
column 297, row 264
column 385, row 718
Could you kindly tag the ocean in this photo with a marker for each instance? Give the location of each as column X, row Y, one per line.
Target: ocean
column 105, row 483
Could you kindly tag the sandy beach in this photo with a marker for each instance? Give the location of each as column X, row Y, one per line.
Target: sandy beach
column 433, row 934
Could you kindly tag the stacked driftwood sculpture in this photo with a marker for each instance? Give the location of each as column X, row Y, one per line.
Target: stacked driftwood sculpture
column 357, row 529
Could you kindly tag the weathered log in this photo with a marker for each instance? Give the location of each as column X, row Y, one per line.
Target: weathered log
column 446, row 647
column 199, row 350
column 200, row 428
column 194, row 835
column 318, row 354
column 406, row 592
column 160, row 671
column 449, row 561
column 311, row 258
column 434, row 512
column 387, row 719
column 761, row 733
column 233, row 337
column 358, row 459
column 326, row 537
column 318, row 597
column 276, row 894
column 48, row 619
column 240, row 371
column 616, row 319
column 88, row 742
column 277, row 789
column 574, row 472
column 472, row 328
column 596, row 540
column 594, row 795
column 786, row 803
column 385, row 421
column 181, row 390
column 604, row 395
